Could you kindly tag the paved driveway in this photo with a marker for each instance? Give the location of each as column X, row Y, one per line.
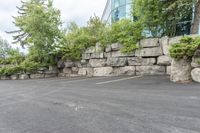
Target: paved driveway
column 149, row 104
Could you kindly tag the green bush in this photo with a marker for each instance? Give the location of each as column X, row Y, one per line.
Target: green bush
column 10, row 70
column 185, row 49
column 79, row 39
column 29, row 66
column 4, row 61
column 128, row 33
column 125, row 31
column 24, row 67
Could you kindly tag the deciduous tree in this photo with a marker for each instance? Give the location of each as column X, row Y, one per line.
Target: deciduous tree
column 39, row 27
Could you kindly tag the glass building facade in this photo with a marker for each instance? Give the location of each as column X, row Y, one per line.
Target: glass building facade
column 116, row 10
column 119, row 9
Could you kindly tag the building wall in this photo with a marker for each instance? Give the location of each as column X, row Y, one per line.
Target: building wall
column 116, row 10
column 119, row 9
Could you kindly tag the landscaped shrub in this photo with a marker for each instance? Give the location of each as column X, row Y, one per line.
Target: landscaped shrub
column 25, row 67
column 10, row 70
column 185, row 49
column 4, row 61
column 29, row 66
column 78, row 39
column 128, row 33
column 125, row 31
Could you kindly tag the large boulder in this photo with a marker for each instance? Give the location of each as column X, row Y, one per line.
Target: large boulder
column 196, row 75
column 53, row 69
column 103, row 71
column 107, row 54
column 69, row 63
column 42, row 70
column 127, row 70
column 98, row 47
column 90, row 50
column 37, row 76
column 116, row 46
column 108, row 48
column 149, row 52
column 150, row 42
column 97, row 62
column 195, row 62
column 60, row 64
column 86, row 56
column 24, row 76
column 97, row 55
column 75, row 70
column 165, row 45
column 168, row 70
column 85, row 72
column 78, row 64
column 67, row 70
column 5, row 77
column 51, row 75
column 164, row 60
column 14, row 77
column 150, row 70
column 116, row 62
column 181, row 70
column 84, row 63
column 139, row 61
column 120, row 54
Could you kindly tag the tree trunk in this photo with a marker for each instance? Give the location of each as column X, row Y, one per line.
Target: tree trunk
column 195, row 25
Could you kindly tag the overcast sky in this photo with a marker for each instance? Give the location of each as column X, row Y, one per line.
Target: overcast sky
column 71, row 10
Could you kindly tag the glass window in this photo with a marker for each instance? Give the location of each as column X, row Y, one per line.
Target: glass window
column 117, row 3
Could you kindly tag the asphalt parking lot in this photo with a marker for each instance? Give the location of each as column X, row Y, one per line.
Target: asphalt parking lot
column 150, row 104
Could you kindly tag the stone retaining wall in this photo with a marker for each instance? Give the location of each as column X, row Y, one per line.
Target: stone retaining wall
column 50, row 72
column 152, row 58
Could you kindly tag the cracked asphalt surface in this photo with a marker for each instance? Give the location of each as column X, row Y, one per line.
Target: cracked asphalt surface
column 150, row 104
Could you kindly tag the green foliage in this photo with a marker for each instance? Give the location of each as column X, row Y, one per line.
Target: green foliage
column 149, row 12
column 185, row 49
column 75, row 42
column 15, row 57
column 39, row 27
column 28, row 66
column 80, row 38
column 9, row 55
column 24, row 67
column 4, row 61
column 45, row 59
column 10, row 70
column 4, row 48
column 128, row 33
column 160, row 18
column 95, row 28
column 177, row 11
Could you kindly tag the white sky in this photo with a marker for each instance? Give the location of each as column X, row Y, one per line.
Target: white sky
column 71, row 10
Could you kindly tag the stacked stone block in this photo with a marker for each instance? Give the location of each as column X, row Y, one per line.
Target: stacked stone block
column 50, row 72
column 152, row 58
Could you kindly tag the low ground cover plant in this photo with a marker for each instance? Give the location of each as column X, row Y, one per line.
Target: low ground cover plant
column 185, row 49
